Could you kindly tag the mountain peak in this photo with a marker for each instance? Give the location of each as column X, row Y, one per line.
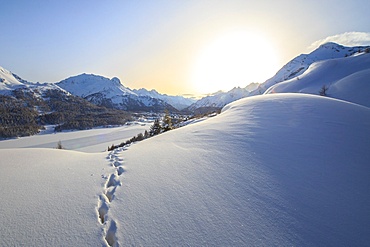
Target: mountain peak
column 330, row 45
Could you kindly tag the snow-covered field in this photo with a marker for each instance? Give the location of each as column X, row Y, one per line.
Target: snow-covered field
column 271, row 170
column 94, row 140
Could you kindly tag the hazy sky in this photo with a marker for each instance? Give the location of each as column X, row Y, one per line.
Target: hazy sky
column 173, row 46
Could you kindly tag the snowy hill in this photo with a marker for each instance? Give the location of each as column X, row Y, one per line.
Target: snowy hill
column 220, row 99
column 270, row 170
column 111, row 93
column 277, row 170
column 179, row 102
column 344, row 78
column 300, row 64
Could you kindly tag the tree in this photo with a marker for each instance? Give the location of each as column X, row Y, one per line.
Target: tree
column 167, row 122
column 146, row 134
column 140, row 137
column 156, row 128
column 323, row 90
column 59, row 145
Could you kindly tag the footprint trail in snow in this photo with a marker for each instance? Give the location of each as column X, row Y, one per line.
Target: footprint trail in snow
column 112, row 183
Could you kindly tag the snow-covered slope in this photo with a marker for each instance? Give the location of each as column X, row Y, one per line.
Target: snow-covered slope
column 270, row 170
column 300, row 64
column 345, row 78
column 8, row 81
column 179, row 102
column 49, row 198
column 220, row 99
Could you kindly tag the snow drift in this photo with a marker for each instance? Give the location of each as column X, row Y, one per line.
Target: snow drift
column 271, row 170
column 345, row 78
column 276, row 170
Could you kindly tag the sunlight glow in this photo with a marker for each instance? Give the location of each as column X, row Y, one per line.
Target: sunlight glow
column 234, row 59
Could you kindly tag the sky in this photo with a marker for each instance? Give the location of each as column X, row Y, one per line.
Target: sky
column 183, row 47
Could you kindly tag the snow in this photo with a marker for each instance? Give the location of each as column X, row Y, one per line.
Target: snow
column 8, row 82
column 270, row 170
column 350, row 81
column 93, row 140
column 277, row 170
column 301, row 63
column 179, row 102
column 220, row 99
column 49, row 198
column 87, row 84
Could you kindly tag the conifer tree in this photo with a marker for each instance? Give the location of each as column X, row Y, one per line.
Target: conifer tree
column 156, row 128
column 146, row 134
column 167, row 122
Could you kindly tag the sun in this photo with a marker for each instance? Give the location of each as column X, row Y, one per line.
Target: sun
column 233, row 59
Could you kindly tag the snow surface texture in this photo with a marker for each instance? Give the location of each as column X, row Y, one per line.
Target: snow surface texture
column 271, row 170
column 345, row 78
column 49, row 198
column 277, row 170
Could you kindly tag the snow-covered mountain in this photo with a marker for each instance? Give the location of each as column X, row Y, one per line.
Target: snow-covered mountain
column 27, row 107
column 270, row 170
column 300, row 64
column 293, row 69
column 100, row 91
column 220, row 99
column 88, row 84
column 343, row 78
column 111, row 93
column 179, row 102
column 8, row 81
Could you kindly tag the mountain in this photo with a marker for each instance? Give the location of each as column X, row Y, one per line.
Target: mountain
column 8, row 81
column 220, row 99
column 179, row 102
column 27, row 107
column 111, row 93
column 293, row 69
column 300, row 64
column 342, row 78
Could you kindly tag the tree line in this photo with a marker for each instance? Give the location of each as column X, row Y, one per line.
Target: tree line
column 156, row 128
